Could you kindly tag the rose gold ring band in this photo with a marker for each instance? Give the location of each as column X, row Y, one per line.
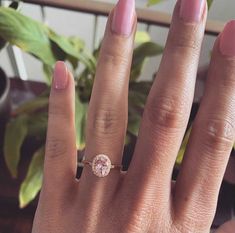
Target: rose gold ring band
column 113, row 166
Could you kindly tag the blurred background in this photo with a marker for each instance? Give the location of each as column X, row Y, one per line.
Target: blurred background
column 70, row 23
column 36, row 33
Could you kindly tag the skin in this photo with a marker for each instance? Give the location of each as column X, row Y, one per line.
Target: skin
column 143, row 200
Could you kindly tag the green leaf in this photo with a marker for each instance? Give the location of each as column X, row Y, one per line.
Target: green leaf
column 209, row 3
column 145, row 50
column 80, row 122
column 142, row 37
column 77, row 43
column 69, row 46
column 79, row 46
column 33, row 182
column 2, row 43
column 15, row 5
column 134, row 124
column 181, row 153
column 48, row 72
column 32, row 106
column 15, row 134
column 138, row 92
column 137, row 98
column 84, row 85
column 37, row 125
column 42, row 42
column 26, row 33
column 153, row 2
column 141, row 87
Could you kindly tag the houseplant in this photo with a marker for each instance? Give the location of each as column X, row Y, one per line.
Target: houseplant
column 4, row 96
column 4, row 102
column 30, row 119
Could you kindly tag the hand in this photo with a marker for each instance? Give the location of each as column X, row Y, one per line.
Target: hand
column 228, row 227
column 144, row 199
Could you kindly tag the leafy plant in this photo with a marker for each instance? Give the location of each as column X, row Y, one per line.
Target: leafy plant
column 209, row 2
column 153, row 2
column 30, row 119
column 33, row 181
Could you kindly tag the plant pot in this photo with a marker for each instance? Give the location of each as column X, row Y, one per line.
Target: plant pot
column 5, row 105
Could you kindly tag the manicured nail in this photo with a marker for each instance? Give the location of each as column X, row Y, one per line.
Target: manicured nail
column 227, row 39
column 60, row 76
column 123, row 17
column 192, row 10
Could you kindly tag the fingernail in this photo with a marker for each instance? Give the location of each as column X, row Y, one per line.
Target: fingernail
column 192, row 10
column 122, row 22
column 227, row 39
column 60, row 76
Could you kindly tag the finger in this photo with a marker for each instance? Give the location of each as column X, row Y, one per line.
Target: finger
column 60, row 158
column 169, row 103
column 107, row 116
column 228, row 227
column 212, row 136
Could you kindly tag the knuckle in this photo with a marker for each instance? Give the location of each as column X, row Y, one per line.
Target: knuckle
column 135, row 220
column 219, row 134
column 55, row 147
column 191, row 225
column 104, row 121
column 113, row 57
column 184, row 42
column 192, row 221
column 163, row 113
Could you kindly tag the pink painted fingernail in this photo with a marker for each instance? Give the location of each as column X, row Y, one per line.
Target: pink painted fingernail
column 227, row 39
column 122, row 22
column 60, row 76
column 192, row 10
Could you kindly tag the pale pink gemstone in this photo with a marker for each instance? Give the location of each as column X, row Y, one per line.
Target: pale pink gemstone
column 101, row 165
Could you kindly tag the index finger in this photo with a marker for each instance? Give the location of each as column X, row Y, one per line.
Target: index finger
column 60, row 159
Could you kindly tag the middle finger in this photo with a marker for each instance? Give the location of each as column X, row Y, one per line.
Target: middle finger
column 169, row 103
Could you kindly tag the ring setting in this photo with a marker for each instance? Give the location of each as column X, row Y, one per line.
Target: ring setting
column 101, row 165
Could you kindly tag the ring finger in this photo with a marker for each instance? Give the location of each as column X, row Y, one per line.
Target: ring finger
column 108, row 109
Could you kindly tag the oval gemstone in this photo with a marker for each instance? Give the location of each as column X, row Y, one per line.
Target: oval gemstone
column 101, row 165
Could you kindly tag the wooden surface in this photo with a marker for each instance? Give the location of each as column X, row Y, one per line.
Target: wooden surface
column 144, row 15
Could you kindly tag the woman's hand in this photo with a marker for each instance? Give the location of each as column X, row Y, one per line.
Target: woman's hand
column 144, row 199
